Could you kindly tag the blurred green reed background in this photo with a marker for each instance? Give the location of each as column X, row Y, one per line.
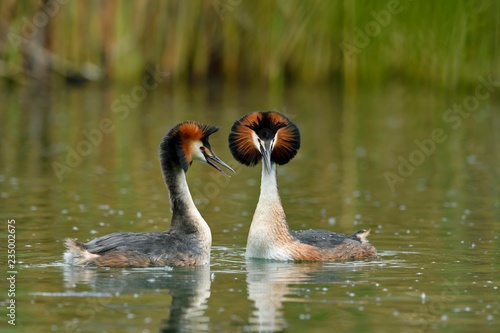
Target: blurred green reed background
column 444, row 43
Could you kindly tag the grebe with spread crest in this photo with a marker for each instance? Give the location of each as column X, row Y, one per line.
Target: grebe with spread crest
column 274, row 139
column 188, row 240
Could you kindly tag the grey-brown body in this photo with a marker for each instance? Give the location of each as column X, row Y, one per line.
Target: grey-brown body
column 188, row 240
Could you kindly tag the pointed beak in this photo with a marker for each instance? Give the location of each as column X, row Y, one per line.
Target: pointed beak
column 213, row 160
column 265, row 150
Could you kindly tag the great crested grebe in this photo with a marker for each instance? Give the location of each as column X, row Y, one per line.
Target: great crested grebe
column 272, row 137
column 188, row 240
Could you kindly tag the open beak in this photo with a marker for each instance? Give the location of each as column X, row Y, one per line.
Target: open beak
column 212, row 159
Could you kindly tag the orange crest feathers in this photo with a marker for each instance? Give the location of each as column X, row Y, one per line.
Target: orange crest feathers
column 180, row 137
column 265, row 125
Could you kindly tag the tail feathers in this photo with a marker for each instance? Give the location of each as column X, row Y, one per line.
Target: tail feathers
column 361, row 236
column 77, row 254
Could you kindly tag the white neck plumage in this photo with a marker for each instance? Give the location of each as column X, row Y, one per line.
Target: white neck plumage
column 185, row 215
column 269, row 234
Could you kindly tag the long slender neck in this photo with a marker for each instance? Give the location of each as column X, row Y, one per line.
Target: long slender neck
column 269, row 194
column 269, row 226
column 185, row 215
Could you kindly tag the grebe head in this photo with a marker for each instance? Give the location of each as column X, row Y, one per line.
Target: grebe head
column 268, row 135
column 189, row 142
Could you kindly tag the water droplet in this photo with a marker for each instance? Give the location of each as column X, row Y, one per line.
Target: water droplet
column 471, row 159
column 360, row 152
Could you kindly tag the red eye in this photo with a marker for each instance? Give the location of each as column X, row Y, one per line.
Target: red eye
column 202, row 148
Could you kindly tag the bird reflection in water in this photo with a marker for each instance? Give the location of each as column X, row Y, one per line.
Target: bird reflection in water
column 189, row 288
column 272, row 283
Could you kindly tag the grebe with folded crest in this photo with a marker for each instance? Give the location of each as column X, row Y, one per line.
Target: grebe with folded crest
column 188, row 240
column 274, row 139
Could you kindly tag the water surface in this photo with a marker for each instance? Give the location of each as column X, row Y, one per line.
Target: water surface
column 436, row 227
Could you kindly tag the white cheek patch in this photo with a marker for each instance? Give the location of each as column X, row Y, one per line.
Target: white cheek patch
column 255, row 139
column 276, row 137
column 196, row 152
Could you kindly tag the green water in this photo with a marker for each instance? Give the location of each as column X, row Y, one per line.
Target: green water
column 434, row 223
